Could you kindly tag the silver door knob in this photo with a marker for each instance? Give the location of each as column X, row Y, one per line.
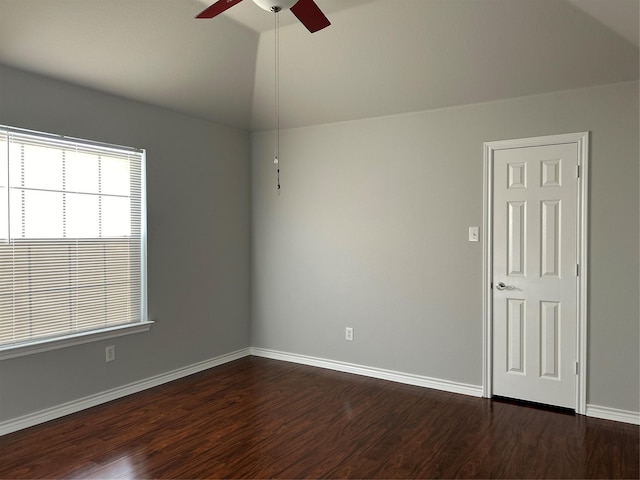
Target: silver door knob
column 502, row 286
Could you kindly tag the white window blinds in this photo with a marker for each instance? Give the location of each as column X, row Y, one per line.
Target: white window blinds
column 71, row 237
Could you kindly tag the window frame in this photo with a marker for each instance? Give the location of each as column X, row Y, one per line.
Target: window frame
column 77, row 338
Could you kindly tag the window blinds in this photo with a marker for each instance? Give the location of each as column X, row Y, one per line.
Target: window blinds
column 71, row 236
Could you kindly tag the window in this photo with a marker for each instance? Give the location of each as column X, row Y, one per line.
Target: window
column 72, row 239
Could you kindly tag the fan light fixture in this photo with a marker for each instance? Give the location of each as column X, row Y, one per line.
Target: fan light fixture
column 275, row 5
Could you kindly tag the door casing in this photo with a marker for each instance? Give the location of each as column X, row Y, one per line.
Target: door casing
column 582, row 141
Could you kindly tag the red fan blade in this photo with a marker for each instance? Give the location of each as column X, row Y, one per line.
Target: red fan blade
column 217, row 8
column 310, row 15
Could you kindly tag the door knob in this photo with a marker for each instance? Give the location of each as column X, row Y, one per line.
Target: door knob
column 502, row 286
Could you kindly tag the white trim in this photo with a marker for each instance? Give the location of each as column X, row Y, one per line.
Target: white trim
column 615, row 414
column 487, row 273
column 394, row 376
column 583, row 260
column 13, row 351
column 74, row 406
column 144, row 311
column 65, row 139
column 581, row 139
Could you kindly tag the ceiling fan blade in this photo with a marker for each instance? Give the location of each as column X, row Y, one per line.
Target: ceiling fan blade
column 217, row 8
column 310, row 15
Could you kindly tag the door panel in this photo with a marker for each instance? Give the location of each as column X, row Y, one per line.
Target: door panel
column 516, row 231
column 516, row 335
column 534, row 273
column 549, row 330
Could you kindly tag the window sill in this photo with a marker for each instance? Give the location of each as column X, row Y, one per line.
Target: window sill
column 70, row 340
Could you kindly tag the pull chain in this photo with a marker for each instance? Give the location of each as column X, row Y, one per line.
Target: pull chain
column 276, row 160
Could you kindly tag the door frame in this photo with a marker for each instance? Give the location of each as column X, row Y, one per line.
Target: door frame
column 581, row 139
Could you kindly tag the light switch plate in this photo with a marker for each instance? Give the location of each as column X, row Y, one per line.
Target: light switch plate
column 474, row 234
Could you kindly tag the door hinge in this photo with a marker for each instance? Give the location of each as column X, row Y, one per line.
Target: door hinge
column 577, row 269
column 578, row 171
column 577, row 368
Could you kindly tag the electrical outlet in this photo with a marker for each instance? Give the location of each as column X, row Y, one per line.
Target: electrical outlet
column 110, row 353
column 349, row 334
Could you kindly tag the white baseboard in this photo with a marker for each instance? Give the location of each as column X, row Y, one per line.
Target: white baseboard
column 617, row 415
column 74, row 406
column 407, row 378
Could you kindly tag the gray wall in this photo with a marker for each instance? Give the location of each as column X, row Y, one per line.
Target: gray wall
column 198, row 241
column 371, row 232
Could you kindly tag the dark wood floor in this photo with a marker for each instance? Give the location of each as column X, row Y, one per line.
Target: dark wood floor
column 258, row 418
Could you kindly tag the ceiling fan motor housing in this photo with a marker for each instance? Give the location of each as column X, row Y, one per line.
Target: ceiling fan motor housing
column 275, row 5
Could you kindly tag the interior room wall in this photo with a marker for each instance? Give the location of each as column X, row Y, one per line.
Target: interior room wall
column 371, row 231
column 198, row 241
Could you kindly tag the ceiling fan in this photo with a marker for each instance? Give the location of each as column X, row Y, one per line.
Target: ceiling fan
column 305, row 10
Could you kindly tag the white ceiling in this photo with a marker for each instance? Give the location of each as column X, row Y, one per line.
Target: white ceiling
column 622, row 16
column 378, row 57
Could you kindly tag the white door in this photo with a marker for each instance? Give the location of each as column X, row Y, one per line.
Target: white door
column 535, row 283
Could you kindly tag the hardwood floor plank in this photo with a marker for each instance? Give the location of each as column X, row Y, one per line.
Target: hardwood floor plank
column 259, row 418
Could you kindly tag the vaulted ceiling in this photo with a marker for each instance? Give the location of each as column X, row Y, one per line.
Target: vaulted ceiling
column 379, row 57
